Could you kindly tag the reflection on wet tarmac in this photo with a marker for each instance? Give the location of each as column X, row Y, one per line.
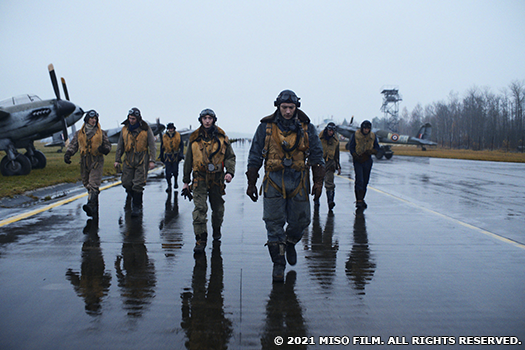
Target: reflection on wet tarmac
column 284, row 314
column 93, row 282
column 135, row 271
column 321, row 250
column 203, row 317
column 172, row 240
column 360, row 267
column 134, row 283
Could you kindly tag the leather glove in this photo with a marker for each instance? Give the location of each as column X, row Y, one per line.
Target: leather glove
column 103, row 150
column 318, row 172
column 186, row 193
column 252, row 174
column 67, row 157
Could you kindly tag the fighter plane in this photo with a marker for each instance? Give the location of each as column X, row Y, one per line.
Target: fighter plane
column 26, row 118
column 422, row 138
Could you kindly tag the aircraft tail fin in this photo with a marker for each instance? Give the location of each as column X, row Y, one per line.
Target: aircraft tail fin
column 425, row 132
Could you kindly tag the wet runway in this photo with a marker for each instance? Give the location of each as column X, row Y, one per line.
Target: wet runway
column 438, row 258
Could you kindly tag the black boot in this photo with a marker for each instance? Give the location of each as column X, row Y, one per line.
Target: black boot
column 276, row 251
column 330, row 198
column 168, row 190
column 360, row 200
column 136, row 205
column 175, row 185
column 200, row 243
column 129, row 199
column 91, row 207
column 291, row 254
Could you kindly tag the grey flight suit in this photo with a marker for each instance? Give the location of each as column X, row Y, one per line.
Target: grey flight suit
column 292, row 210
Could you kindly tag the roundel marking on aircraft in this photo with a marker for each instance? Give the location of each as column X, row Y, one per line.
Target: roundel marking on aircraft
column 394, row 137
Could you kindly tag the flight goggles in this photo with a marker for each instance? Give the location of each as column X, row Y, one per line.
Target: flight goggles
column 134, row 112
column 288, row 97
column 209, row 112
column 92, row 114
column 330, row 127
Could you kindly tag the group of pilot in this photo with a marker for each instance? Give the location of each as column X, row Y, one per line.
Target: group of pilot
column 285, row 142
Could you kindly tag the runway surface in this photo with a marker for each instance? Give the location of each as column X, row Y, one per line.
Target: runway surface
column 438, row 258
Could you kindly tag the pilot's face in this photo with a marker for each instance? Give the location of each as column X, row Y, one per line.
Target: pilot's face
column 207, row 121
column 330, row 132
column 366, row 131
column 287, row 110
column 92, row 121
column 132, row 119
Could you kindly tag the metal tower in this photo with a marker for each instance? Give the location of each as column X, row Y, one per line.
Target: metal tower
column 390, row 107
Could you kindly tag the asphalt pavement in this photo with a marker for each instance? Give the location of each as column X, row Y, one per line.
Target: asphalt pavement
column 437, row 260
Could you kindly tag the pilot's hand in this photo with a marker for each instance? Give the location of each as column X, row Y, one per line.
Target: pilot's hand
column 228, row 177
column 151, row 165
column 339, row 171
column 103, row 150
column 251, row 191
column 186, row 192
column 67, row 157
column 252, row 174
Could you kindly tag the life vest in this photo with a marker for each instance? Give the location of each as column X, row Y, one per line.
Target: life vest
column 364, row 143
column 89, row 146
column 329, row 146
column 285, row 148
column 171, row 144
column 208, row 156
column 135, row 143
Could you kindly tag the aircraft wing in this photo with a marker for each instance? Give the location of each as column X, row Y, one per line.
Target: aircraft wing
column 346, row 130
column 113, row 134
column 3, row 114
column 185, row 134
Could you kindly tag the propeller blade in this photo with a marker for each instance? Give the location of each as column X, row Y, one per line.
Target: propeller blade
column 64, row 87
column 64, row 130
column 54, row 80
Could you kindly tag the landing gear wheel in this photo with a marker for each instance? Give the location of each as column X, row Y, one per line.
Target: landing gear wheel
column 21, row 165
column 38, row 160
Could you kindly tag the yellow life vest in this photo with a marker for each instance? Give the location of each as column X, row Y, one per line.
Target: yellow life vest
column 138, row 143
column 329, row 146
column 89, row 146
column 285, row 148
column 208, row 156
column 364, row 143
column 171, row 144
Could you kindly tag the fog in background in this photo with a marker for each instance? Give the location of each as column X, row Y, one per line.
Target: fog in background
column 171, row 59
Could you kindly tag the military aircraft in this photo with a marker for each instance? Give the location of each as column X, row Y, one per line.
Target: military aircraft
column 26, row 118
column 57, row 139
column 422, row 138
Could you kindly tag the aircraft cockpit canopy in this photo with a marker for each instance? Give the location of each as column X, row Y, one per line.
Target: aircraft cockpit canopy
column 19, row 100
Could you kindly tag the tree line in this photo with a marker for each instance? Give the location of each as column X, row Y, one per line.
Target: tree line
column 480, row 120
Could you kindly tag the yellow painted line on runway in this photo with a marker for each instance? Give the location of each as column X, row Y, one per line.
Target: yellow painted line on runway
column 485, row 232
column 50, row 206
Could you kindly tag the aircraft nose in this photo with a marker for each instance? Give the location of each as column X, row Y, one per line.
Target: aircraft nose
column 64, row 108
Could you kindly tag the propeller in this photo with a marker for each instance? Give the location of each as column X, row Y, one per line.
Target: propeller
column 64, row 108
column 64, row 87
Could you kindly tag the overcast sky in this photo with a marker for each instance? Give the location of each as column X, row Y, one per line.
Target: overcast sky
column 171, row 59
